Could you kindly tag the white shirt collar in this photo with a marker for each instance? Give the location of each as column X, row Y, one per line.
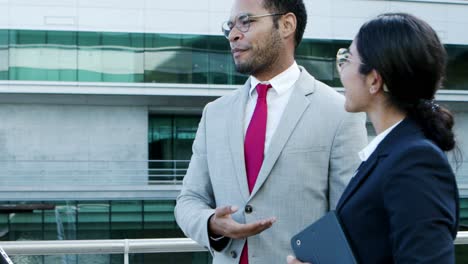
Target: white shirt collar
column 281, row 82
column 370, row 148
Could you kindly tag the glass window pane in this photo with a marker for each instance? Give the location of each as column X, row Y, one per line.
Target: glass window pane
column 457, row 67
column 25, row 37
column 93, row 220
column 318, row 58
column 89, row 58
column 170, row 144
column 176, row 58
column 22, row 226
column 66, row 38
column 127, row 219
column 43, row 55
column 4, row 54
column 171, row 137
column 160, row 221
column 62, row 53
column 185, row 129
column 160, row 137
column 22, row 58
column 110, row 57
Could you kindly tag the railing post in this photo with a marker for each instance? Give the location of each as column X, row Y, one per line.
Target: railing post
column 174, row 172
column 126, row 252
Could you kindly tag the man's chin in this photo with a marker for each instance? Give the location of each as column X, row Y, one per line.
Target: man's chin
column 244, row 69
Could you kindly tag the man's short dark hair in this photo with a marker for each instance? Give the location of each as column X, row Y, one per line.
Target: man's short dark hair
column 296, row 7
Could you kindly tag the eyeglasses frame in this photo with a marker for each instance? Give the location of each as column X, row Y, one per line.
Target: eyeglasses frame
column 342, row 56
column 226, row 23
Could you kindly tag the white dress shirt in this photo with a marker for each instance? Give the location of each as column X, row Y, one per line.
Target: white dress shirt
column 277, row 99
column 365, row 153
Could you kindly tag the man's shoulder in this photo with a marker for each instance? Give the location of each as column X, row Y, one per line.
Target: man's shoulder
column 318, row 89
column 221, row 103
column 325, row 90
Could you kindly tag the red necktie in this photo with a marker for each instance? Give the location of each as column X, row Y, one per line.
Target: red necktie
column 254, row 146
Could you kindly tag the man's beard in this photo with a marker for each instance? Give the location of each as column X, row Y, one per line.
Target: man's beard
column 263, row 58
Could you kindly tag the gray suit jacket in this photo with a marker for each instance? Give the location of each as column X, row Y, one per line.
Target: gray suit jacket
column 310, row 160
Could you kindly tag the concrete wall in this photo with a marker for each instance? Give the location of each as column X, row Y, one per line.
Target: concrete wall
column 95, row 144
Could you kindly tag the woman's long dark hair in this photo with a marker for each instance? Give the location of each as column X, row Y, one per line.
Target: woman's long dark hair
column 409, row 56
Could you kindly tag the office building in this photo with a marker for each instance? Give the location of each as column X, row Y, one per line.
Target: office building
column 100, row 102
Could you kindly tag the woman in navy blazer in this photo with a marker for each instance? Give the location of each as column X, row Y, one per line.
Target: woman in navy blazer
column 402, row 204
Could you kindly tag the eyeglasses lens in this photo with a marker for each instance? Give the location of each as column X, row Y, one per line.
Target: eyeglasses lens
column 242, row 23
column 342, row 56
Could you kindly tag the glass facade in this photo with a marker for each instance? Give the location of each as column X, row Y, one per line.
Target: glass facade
column 160, row 58
column 121, row 219
column 85, row 220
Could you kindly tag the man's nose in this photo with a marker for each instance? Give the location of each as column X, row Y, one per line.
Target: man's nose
column 235, row 34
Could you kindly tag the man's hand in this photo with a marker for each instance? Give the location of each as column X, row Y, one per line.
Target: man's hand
column 293, row 260
column 221, row 223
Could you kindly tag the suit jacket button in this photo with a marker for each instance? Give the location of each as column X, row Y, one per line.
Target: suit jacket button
column 248, row 209
column 233, row 254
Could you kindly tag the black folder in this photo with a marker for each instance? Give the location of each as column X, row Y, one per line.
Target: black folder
column 323, row 242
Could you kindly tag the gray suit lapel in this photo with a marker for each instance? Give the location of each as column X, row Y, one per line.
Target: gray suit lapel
column 296, row 106
column 236, row 138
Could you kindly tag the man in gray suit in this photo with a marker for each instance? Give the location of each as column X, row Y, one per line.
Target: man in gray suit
column 275, row 155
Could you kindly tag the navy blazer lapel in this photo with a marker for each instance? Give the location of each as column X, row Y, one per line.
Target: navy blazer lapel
column 363, row 171
column 406, row 128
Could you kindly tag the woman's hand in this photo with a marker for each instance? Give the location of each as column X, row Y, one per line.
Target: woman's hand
column 292, row 260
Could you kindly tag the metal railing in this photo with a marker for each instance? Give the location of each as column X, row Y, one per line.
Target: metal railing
column 29, row 180
column 20, row 173
column 122, row 246
column 112, row 246
column 91, row 172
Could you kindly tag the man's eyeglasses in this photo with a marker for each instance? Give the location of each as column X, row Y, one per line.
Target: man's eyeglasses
column 242, row 23
column 342, row 58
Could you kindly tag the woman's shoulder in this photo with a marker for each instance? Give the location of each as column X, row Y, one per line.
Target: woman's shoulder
column 415, row 147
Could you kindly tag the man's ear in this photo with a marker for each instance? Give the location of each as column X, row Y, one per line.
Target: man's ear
column 375, row 82
column 288, row 24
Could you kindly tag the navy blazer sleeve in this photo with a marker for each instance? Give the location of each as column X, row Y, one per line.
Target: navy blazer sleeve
column 420, row 197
